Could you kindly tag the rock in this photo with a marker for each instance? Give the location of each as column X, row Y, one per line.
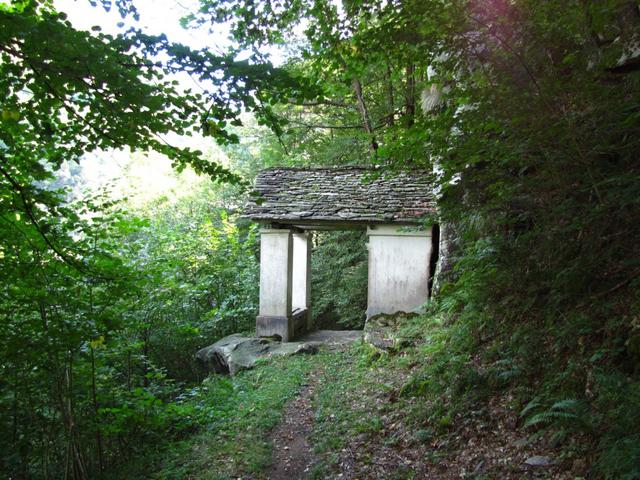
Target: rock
column 232, row 354
column 380, row 330
column 237, row 352
column 522, row 442
column 379, row 339
column 539, row 461
column 449, row 251
column 294, row 348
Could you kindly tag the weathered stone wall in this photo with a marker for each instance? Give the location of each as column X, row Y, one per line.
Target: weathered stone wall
column 276, row 258
column 398, row 269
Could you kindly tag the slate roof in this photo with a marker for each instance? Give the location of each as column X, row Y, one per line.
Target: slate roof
column 345, row 195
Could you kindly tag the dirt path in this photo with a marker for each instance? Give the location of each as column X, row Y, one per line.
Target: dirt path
column 293, row 456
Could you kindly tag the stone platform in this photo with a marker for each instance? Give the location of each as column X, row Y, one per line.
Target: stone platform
column 237, row 352
column 332, row 337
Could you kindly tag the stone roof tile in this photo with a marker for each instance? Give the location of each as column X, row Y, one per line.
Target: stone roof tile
column 341, row 195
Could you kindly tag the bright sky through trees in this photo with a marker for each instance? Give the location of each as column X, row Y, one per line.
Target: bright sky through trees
column 156, row 17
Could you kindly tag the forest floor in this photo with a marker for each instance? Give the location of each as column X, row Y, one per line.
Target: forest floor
column 349, row 422
column 293, row 455
column 354, row 413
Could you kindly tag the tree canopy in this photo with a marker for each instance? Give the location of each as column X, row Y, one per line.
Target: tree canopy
column 526, row 112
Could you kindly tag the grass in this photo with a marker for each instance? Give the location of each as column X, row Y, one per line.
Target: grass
column 364, row 395
column 234, row 416
column 234, row 419
column 417, row 400
column 352, row 402
column 405, row 399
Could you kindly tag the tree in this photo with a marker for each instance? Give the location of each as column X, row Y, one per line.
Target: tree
column 531, row 116
column 67, row 92
column 369, row 60
column 75, row 377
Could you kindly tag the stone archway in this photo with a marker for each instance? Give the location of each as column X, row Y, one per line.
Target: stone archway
column 292, row 203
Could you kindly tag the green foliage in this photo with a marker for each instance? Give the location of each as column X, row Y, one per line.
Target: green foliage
column 561, row 411
column 534, row 136
column 67, row 92
column 339, row 280
column 232, row 418
column 200, row 278
column 615, row 411
column 90, row 294
column 60, row 302
column 446, row 372
column 102, row 312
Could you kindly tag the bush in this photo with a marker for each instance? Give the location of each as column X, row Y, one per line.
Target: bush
column 339, row 280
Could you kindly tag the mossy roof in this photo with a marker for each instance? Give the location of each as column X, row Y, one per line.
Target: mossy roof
column 345, row 195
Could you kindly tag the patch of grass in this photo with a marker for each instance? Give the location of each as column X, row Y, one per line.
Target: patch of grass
column 352, row 402
column 371, row 424
column 234, row 416
column 423, row 385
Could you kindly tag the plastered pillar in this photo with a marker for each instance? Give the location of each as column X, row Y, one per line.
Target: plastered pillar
column 276, row 262
column 398, row 269
column 301, row 287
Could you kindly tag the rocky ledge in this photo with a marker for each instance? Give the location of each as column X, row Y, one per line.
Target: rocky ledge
column 238, row 352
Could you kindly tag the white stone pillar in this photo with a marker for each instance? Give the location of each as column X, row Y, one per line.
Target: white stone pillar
column 398, row 269
column 276, row 261
column 301, row 295
column 301, row 288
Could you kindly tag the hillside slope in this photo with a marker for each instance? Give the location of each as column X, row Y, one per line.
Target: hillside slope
column 438, row 405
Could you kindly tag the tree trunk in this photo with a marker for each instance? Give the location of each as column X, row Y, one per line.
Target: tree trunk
column 366, row 120
column 410, row 95
column 390, row 107
column 96, row 411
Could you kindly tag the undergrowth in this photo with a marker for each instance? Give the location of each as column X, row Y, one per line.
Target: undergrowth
column 572, row 387
column 574, row 381
column 231, row 418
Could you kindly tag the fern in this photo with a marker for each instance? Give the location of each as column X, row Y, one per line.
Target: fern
column 532, row 405
column 562, row 411
column 566, row 404
column 549, row 417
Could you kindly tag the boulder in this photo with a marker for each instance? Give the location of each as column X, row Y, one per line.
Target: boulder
column 382, row 330
column 539, row 461
column 237, row 352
